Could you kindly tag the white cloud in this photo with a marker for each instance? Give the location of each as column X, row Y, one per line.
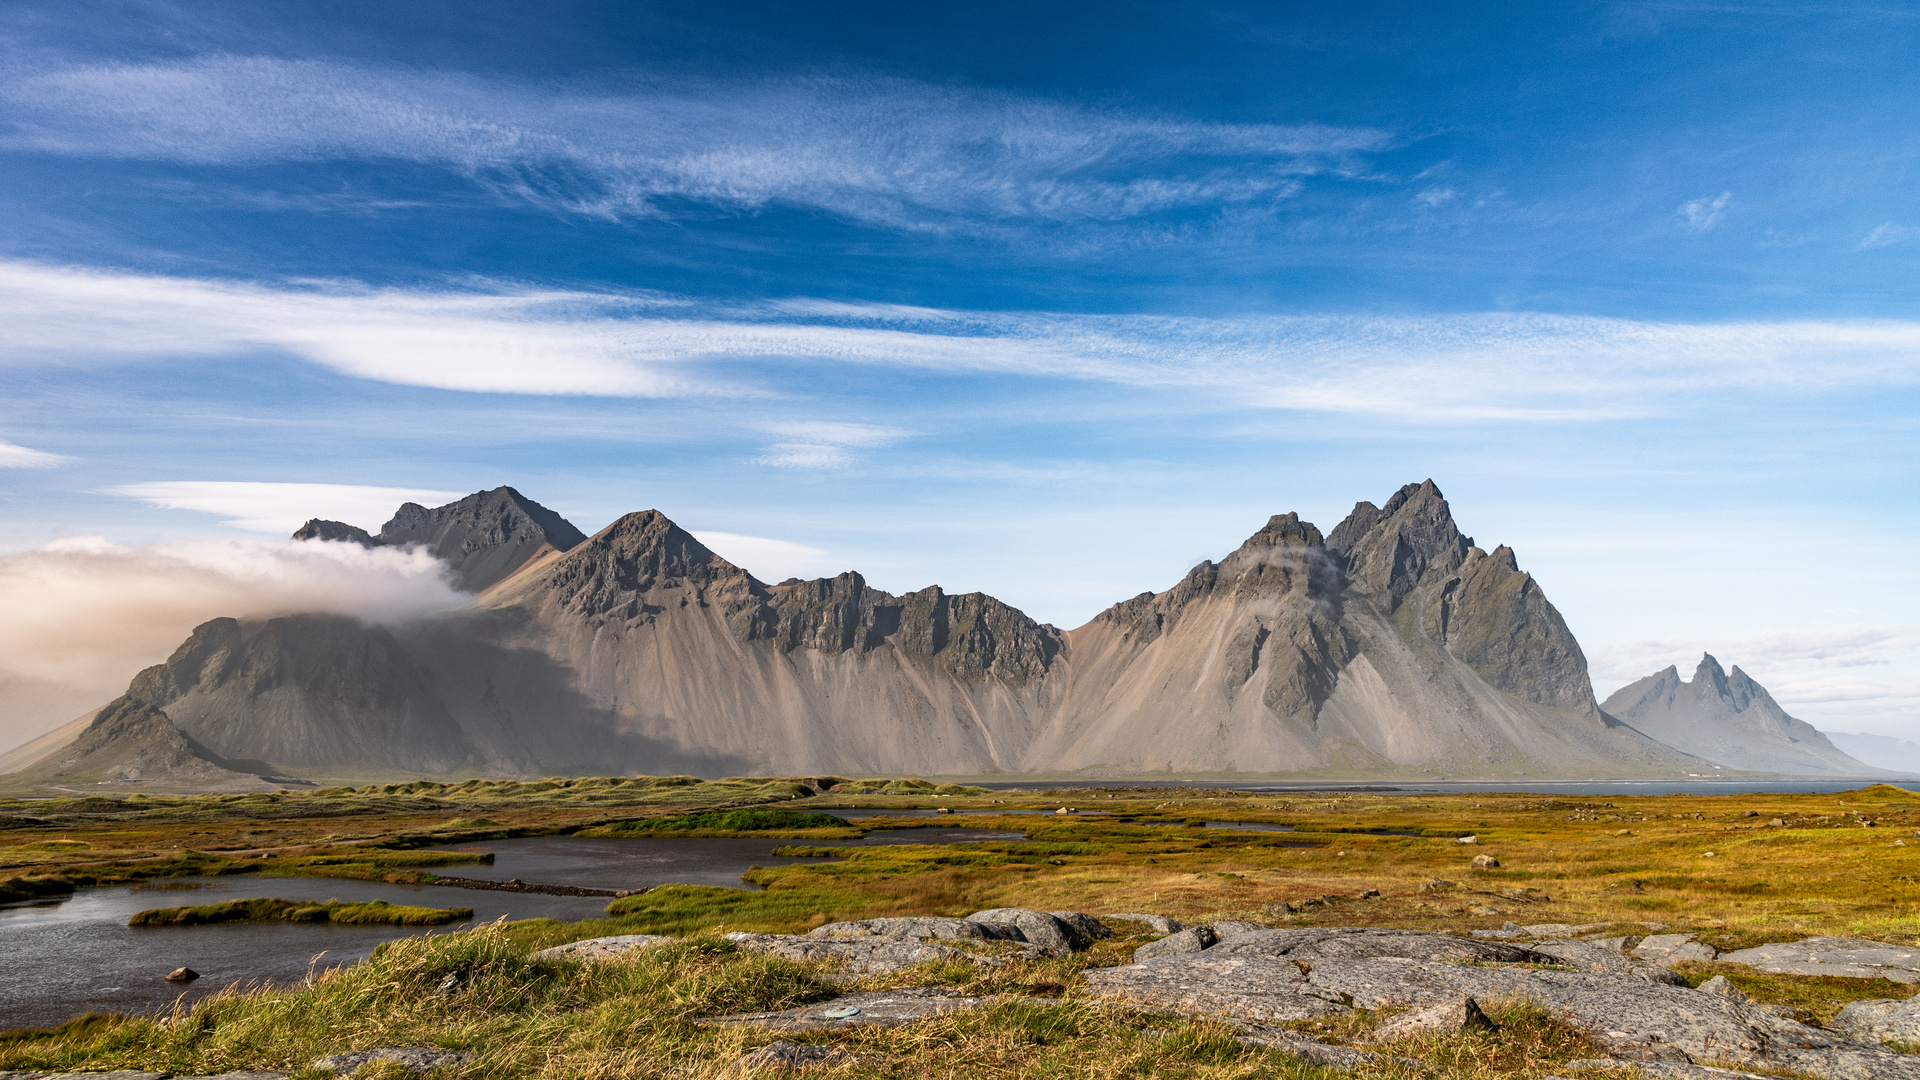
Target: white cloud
column 1704, row 213
column 1436, row 196
column 524, row 341
column 84, row 615
column 768, row 560
column 282, row 508
column 824, row 444
column 1887, row 234
column 884, row 151
column 20, row 457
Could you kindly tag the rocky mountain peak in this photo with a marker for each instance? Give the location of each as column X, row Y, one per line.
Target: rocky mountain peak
column 1389, row 549
column 643, row 562
column 485, row 537
column 1285, row 530
column 1729, row 718
column 321, row 529
column 1709, row 677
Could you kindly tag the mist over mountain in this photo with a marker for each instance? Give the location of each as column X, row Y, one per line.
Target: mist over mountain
column 1885, row 751
column 1393, row 646
column 1731, row 720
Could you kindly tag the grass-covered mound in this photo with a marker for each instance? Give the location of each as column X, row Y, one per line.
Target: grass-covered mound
column 274, row 909
column 724, row 821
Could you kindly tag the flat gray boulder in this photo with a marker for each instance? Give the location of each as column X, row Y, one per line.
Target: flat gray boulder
column 863, row 956
column 918, row 927
column 1561, row 930
column 1851, row 958
column 878, row 1008
column 1158, row 924
column 1051, row 934
column 415, row 1059
column 1591, row 956
column 1088, row 928
column 1309, row 943
column 1672, row 948
column 603, row 948
column 1881, row 1019
column 1240, row 987
column 1227, row 928
column 1191, row 940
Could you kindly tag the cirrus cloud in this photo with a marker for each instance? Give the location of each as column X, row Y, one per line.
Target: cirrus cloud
column 887, row 152
column 489, row 338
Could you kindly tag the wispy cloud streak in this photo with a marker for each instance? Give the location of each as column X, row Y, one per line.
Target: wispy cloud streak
column 882, row 151
column 25, row 457
column 524, row 341
column 262, row 506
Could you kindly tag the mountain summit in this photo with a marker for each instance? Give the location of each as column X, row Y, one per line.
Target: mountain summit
column 1392, row 647
column 1729, row 719
column 486, row 537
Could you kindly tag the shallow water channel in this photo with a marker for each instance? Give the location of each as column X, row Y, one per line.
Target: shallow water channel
column 70, row 955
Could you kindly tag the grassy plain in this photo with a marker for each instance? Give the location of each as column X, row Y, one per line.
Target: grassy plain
column 1739, row 870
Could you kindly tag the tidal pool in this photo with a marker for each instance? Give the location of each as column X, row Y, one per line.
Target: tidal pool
column 75, row 954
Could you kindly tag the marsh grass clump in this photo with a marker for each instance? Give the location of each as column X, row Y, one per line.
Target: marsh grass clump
column 749, row 820
column 694, row 909
column 274, row 909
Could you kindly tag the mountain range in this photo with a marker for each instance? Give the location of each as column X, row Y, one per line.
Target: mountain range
column 1392, row 646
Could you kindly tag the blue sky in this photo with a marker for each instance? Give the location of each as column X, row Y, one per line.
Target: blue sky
column 1045, row 300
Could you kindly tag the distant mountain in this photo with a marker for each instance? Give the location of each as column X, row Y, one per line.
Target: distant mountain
column 129, row 741
column 1730, row 720
column 1885, row 751
column 1392, row 647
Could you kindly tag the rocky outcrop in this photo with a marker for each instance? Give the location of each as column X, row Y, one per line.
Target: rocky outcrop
column 1045, row 933
column 1731, row 720
column 617, row 947
column 1283, row 975
column 857, row 956
column 872, row 1009
column 1847, row 958
column 1885, row 1020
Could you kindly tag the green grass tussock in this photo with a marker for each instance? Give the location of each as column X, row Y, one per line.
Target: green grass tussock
column 273, row 909
column 723, row 821
column 695, row 909
column 13, row 890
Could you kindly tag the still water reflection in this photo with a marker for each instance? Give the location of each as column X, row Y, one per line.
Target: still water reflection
column 67, row 956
